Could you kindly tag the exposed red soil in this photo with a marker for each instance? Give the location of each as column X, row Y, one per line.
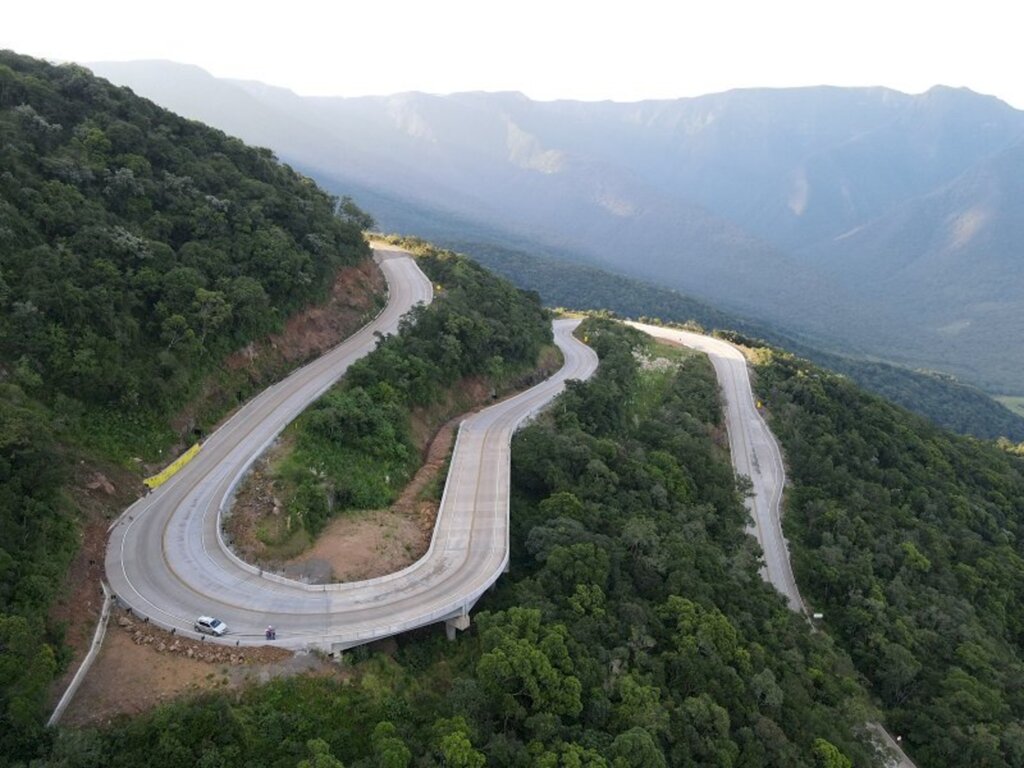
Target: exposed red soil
column 99, row 494
column 364, row 545
column 353, row 300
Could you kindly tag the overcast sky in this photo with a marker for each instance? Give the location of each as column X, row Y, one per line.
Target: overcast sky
column 548, row 49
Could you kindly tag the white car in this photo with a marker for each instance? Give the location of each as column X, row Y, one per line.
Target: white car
column 210, row 626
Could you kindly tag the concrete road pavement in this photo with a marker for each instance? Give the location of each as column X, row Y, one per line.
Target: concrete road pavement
column 166, row 558
column 755, row 453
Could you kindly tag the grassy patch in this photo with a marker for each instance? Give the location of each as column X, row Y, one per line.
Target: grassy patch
column 122, row 435
column 674, row 352
column 283, row 541
column 359, row 445
column 658, row 364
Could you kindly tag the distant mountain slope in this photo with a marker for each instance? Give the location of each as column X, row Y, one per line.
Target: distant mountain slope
column 960, row 247
column 749, row 199
column 475, row 155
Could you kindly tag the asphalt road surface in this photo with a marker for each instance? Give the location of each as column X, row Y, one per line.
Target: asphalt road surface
column 166, row 558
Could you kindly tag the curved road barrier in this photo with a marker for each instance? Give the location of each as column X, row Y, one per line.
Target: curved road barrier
column 167, row 559
column 90, row 657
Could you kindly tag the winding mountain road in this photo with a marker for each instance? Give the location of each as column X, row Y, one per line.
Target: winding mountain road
column 166, row 558
column 754, row 450
column 755, row 454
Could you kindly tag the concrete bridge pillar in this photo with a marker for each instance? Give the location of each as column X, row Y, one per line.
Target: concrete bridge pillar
column 459, row 622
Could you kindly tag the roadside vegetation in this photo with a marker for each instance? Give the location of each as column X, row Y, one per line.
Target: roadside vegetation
column 911, row 541
column 632, row 630
column 355, row 448
column 138, row 250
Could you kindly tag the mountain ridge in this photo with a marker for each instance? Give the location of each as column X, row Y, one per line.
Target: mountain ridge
column 739, row 198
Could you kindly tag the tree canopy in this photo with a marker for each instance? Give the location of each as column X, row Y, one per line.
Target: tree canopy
column 137, row 247
column 911, row 540
column 632, row 630
column 353, row 448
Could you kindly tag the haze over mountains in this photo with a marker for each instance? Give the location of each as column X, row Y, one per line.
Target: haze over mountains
column 866, row 220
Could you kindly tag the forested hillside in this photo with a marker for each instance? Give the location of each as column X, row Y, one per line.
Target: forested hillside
column 633, row 630
column 137, row 249
column 137, row 244
column 911, row 541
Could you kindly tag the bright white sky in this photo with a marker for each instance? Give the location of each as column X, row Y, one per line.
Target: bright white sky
column 548, row 49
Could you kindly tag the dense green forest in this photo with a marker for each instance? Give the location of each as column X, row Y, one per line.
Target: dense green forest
column 353, row 447
column 633, row 630
column 136, row 250
column 562, row 283
column 911, row 540
column 137, row 244
column 939, row 397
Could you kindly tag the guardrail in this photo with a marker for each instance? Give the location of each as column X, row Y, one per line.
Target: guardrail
column 173, row 468
column 90, row 657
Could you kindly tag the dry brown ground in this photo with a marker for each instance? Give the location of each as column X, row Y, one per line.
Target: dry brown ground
column 140, row 667
column 356, row 545
column 364, row 545
column 101, row 491
column 99, row 494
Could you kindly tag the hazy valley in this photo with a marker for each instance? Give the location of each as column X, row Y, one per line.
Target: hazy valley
column 865, row 221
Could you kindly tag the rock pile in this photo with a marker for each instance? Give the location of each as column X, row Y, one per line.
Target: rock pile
column 210, row 652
